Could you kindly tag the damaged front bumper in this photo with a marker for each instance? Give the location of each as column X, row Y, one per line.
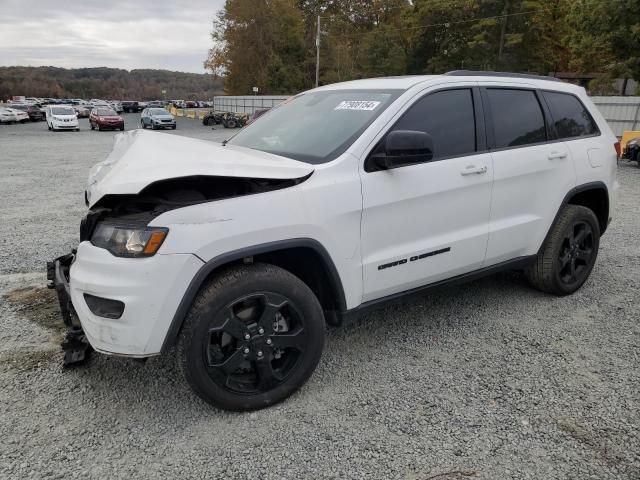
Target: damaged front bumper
column 92, row 282
column 75, row 346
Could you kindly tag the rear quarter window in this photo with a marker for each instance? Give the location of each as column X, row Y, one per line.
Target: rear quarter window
column 570, row 117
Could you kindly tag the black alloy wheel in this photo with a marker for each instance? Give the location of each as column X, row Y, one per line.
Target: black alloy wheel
column 254, row 335
column 255, row 343
column 569, row 252
column 576, row 254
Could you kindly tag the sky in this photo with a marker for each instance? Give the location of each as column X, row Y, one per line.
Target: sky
column 129, row 34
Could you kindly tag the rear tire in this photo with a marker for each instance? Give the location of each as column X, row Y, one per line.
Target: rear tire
column 253, row 336
column 568, row 254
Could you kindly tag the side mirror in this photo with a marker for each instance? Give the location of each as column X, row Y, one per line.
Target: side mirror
column 405, row 147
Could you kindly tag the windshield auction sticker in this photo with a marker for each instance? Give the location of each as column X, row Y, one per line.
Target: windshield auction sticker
column 357, row 105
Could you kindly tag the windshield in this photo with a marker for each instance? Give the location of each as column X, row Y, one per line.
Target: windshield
column 316, row 127
column 158, row 111
column 106, row 112
column 63, row 111
column 20, row 107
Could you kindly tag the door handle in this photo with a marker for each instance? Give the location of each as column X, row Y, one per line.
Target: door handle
column 557, row 155
column 473, row 170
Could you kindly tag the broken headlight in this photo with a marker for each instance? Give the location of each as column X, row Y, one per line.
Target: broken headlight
column 124, row 241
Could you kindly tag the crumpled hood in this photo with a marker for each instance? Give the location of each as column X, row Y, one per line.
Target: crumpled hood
column 140, row 158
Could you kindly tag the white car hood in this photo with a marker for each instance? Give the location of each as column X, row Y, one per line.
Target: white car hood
column 140, row 158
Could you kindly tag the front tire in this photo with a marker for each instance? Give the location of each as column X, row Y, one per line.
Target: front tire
column 253, row 336
column 568, row 254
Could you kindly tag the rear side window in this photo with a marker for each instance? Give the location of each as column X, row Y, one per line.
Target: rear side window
column 448, row 117
column 517, row 117
column 570, row 117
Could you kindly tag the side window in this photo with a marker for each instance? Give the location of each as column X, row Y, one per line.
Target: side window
column 517, row 117
column 570, row 117
column 448, row 117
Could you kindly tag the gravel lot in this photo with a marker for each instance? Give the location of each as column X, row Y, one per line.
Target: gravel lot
column 489, row 380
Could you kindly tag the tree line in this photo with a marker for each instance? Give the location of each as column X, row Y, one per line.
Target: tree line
column 271, row 43
column 106, row 83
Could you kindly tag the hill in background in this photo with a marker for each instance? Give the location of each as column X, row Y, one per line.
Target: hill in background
column 106, row 83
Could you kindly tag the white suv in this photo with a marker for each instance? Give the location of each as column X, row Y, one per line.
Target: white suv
column 339, row 200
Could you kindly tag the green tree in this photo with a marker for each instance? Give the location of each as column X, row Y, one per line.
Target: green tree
column 260, row 43
column 605, row 38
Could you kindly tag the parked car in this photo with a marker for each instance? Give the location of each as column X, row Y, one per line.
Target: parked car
column 631, row 150
column 32, row 110
column 131, row 106
column 155, row 104
column 7, row 115
column 105, row 119
column 157, row 118
column 344, row 199
column 117, row 106
column 19, row 116
column 82, row 111
column 61, row 117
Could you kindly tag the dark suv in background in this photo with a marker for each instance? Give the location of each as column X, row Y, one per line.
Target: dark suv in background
column 129, row 106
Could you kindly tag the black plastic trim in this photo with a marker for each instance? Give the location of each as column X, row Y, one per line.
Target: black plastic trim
column 211, row 265
column 574, row 191
column 517, row 263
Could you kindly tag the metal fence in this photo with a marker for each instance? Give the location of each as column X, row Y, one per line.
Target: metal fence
column 621, row 113
column 246, row 103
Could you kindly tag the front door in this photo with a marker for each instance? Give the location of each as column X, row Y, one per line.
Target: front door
column 425, row 222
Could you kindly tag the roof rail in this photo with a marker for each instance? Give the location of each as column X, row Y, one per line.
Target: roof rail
column 477, row 73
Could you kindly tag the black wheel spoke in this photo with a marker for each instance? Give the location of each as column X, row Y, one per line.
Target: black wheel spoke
column 272, row 305
column 232, row 325
column 572, row 274
column 266, row 376
column 295, row 340
column 565, row 259
column 582, row 235
column 231, row 363
column 584, row 255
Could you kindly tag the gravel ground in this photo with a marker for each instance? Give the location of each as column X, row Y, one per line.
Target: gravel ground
column 489, row 380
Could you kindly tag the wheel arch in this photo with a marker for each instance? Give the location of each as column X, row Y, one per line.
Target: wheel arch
column 318, row 271
column 593, row 195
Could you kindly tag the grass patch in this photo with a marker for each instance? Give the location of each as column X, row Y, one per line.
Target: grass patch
column 39, row 305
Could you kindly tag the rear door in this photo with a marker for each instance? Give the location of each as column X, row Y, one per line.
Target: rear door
column 533, row 171
column 425, row 222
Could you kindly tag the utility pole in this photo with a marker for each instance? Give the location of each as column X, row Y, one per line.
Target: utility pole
column 503, row 31
column 318, row 53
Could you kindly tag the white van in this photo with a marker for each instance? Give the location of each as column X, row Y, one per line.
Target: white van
column 61, row 117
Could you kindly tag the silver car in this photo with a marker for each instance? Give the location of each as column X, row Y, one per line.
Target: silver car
column 157, row 118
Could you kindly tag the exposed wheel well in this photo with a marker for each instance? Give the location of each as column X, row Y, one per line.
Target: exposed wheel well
column 309, row 266
column 304, row 258
column 597, row 200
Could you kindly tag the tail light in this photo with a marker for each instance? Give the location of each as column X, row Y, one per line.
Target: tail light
column 617, row 147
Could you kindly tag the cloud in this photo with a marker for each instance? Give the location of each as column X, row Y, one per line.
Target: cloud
column 128, row 34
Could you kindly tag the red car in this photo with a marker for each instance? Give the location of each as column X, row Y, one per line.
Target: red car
column 105, row 118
